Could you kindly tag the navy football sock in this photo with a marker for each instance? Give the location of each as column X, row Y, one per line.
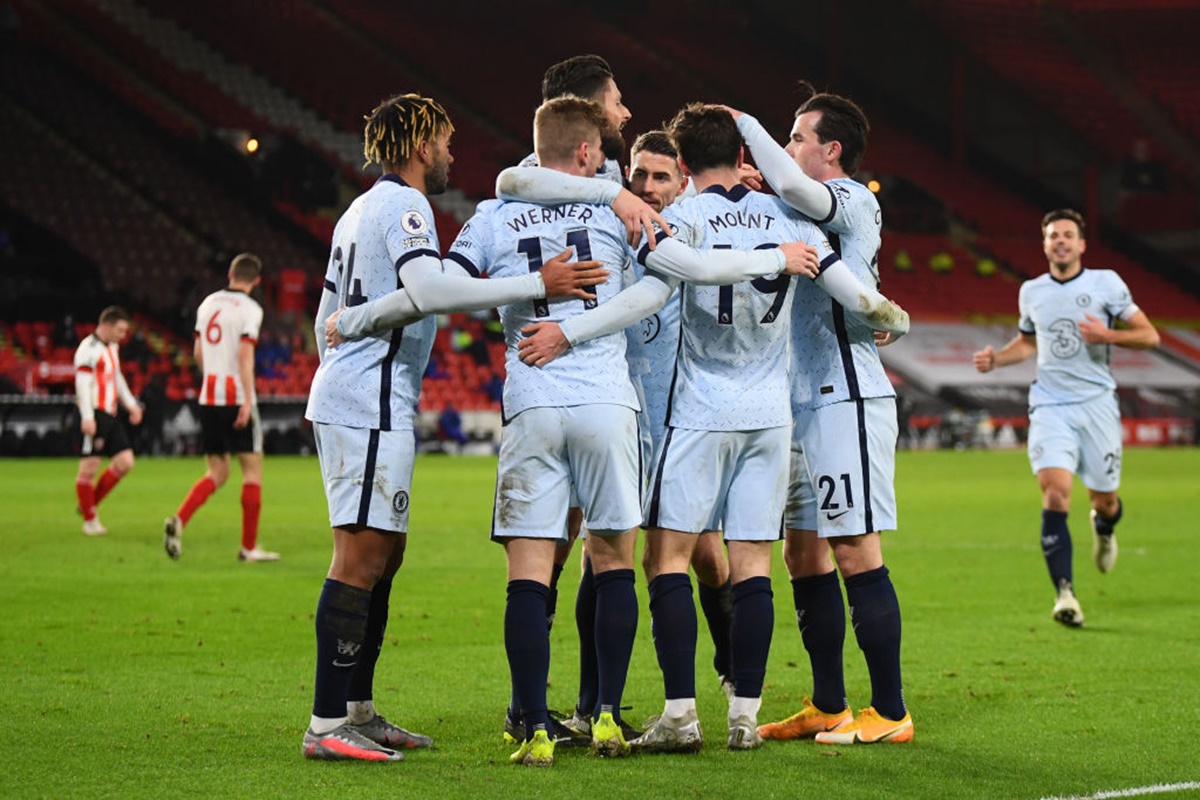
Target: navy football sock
column 673, row 625
column 750, row 634
column 1105, row 525
column 821, row 616
column 585, row 623
column 362, row 680
column 615, row 628
column 527, row 643
column 875, row 615
column 1056, row 547
column 341, row 626
column 717, row 604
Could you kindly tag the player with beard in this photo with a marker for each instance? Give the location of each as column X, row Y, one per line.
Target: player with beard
column 362, row 404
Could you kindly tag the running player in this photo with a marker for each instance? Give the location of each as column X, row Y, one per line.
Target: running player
column 1069, row 321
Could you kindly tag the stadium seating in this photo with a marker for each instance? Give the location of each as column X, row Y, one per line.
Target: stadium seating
column 151, row 216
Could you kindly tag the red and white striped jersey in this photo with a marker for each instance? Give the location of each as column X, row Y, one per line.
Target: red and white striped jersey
column 98, row 378
column 224, row 320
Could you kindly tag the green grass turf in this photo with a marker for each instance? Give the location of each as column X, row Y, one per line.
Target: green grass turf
column 128, row 675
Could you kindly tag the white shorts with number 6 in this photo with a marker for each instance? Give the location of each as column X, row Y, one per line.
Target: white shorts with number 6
column 844, row 468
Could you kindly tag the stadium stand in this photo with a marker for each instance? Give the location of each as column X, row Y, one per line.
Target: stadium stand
column 153, row 194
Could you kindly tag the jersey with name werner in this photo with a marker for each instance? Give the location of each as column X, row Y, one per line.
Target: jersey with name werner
column 514, row 238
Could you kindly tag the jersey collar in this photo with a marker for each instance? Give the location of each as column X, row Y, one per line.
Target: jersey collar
column 392, row 178
column 1064, row 281
column 733, row 195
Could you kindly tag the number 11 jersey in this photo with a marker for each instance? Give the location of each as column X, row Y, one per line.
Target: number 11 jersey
column 512, row 238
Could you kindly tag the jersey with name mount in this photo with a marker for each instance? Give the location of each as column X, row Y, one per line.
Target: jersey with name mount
column 732, row 369
column 1069, row 370
column 224, row 320
column 834, row 357
column 375, row 382
column 515, row 238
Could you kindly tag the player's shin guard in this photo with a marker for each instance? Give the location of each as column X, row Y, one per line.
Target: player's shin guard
column 673, row 624
column 821, row 615
column 251, row 508
column 750, row 636
column 585, row 623
column 341, row 629
column 717, row 605
column 1056, row 547
column 875, row 614
column 527, row 644
column 200, row 492
column 108, row 480
column 616, row 628
column 362, row 680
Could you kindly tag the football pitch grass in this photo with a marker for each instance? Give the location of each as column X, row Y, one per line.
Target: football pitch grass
column 129, row 675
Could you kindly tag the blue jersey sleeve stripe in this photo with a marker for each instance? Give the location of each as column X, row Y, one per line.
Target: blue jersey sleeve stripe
column 827, row 262
column 330, row 286
column 644, row 253
column 833, row 206
column 464, row 262
column 407, row 257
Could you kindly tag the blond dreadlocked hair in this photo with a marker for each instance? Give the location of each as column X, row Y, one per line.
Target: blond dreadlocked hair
column 397, row 125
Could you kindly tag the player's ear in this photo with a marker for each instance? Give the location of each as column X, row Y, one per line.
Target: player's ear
column 683, row 167
column 683, row 185
column 835, row 151
column 741, row 156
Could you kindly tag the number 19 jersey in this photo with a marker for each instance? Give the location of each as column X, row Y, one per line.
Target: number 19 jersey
column 732, row 371
column 512, row 238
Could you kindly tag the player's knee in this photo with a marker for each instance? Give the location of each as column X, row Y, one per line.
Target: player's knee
column 122, row 462
column 711, row 569
column 1055, row 499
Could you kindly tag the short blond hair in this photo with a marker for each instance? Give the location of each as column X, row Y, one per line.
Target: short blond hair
column 559, row 125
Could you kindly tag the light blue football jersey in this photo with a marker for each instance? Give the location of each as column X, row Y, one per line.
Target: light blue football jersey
column 513, row 238
column 834, row 357
column 1069, row 370
column 732, row 370
column 375, row 382
column 656, row 341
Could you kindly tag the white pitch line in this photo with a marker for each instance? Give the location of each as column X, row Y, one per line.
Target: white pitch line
column 1158, row 788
